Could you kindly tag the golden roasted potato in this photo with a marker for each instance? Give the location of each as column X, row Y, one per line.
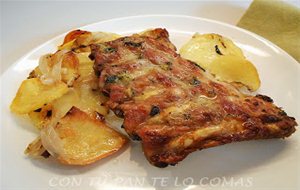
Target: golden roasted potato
column 62, row 98
column 83, row 140
column 33, row 94
column 73, row 35
column 79, row 40
column 36, row 73
column 75, row 39
column 40, row 116
column 217, row 54
column 85, row 94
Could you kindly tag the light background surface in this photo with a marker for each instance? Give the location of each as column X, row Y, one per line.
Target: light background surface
column 27, row 24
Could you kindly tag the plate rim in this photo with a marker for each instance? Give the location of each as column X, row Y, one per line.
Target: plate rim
column 31, row 51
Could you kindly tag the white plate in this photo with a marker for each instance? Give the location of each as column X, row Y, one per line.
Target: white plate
column 260, row 164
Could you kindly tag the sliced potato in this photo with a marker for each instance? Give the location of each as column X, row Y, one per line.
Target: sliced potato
column 85, row 94
column 213, row 50
column 36, row 73
column 83, row 98
column 233, row 69
column 91, row 100
column 62, row 105
column 204, row 49
column 73, row 35
column 84, row 139
column 33, row 94
column 79, row 40
column 75, row 39
column 62, row 81
column 67, row 45
column 86, row 71
column 40, row 116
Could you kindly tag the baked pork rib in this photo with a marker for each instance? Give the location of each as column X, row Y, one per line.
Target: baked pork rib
column 173, row 106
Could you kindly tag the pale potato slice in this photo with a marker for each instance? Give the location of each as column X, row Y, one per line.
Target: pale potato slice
column 233, row 69
column 62, row 105
column 86, row 71
column 33, row 94
column 100, row 37
column 91, row 100
column 83, row 98
column 204, row 49
column 84, row 139
column 221, row 57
